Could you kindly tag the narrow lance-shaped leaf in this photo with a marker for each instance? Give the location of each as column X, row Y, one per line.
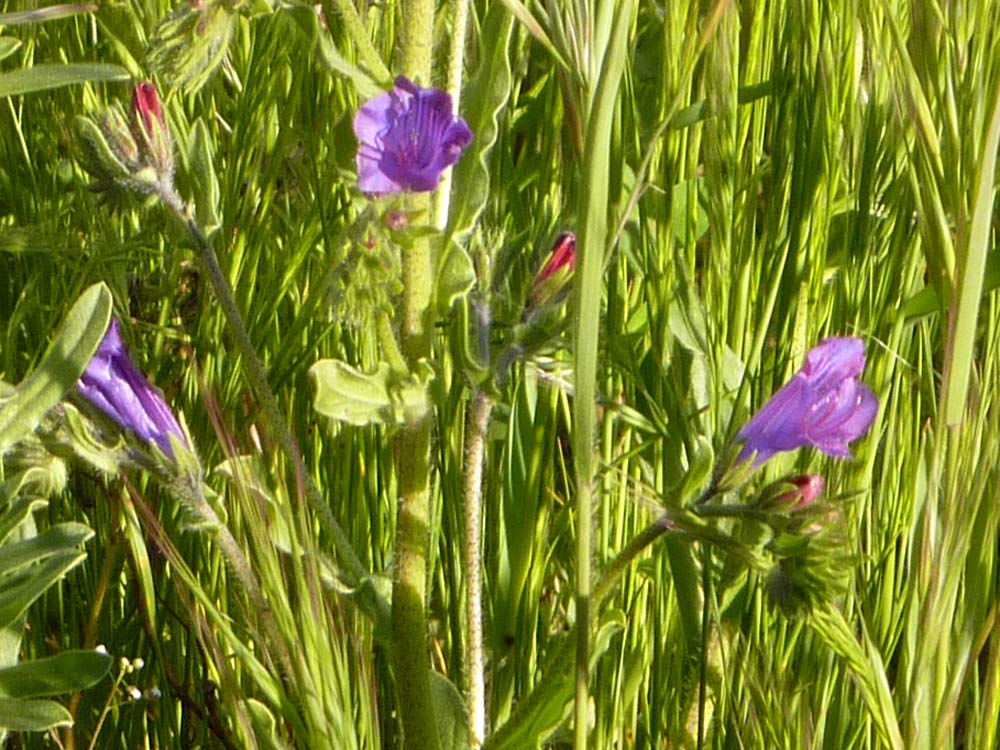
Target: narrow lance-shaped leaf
column 60, row 368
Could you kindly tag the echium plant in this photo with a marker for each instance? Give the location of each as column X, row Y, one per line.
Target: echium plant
column 826, row 406
column 407, row 137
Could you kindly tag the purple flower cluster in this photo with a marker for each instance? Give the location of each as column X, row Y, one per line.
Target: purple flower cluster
column 406, row 138
column 115, row 385
column 824, row 405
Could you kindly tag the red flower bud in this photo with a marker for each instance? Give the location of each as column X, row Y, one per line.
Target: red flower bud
column 146, row 107
column 808, row 487
column 556, row 272
column 151, row 131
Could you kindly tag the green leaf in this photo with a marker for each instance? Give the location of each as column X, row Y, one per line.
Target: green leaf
column 699, row 472
column 8, row 46
column 52, row 541
column 60, row 368
column 45, row 77
column 50, row 13
column 265, row 725
column 63, row 673
column 201, row 160
column 32, row 716
column 449, row 709
column 962, row 334
column 523, row 14
column 17, row 513
column 367, row 87
column 485, row 98
column 455, row 276
column 359, row 398
column 17, row 595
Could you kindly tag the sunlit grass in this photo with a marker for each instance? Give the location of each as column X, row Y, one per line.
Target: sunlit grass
column 812, row 170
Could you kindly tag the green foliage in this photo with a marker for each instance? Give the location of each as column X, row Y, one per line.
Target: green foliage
column 776, row 171
column 60, row 368
column 30, row 564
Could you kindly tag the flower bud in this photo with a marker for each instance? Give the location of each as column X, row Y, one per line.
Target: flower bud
column 807, row 487
column 120, row 139
column 556, row 273
column 151, row 131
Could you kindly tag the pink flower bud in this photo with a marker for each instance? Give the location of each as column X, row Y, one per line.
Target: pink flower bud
column 808, row 487
column 146, row 106
column 556, row 272
column 151, row 130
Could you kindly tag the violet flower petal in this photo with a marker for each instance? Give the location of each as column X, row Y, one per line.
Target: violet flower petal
column 115, row 385
column 407, row 138
column 824, row 406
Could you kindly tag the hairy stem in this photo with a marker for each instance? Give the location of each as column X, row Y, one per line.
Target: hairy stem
column 411, row 662
column 475, row 452
column 354, row 571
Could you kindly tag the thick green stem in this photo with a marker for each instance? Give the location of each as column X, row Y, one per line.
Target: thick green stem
column 410, row 657
column 418, row 39
column 411, row 661
column 354, row 572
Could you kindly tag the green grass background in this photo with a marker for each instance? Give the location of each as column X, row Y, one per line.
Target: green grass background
column 814, row 169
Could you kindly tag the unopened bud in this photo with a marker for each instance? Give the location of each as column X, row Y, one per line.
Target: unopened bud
column 130, row 153
column 790, row 494
column 151, row 130
column 807, row 487
column 556, row 272
column 120, row 139
column 397, row 221
column 146, row 104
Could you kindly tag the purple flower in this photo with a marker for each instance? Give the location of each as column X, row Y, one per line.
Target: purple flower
column 407, row 138
column 824, row 405
column 115, row 385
